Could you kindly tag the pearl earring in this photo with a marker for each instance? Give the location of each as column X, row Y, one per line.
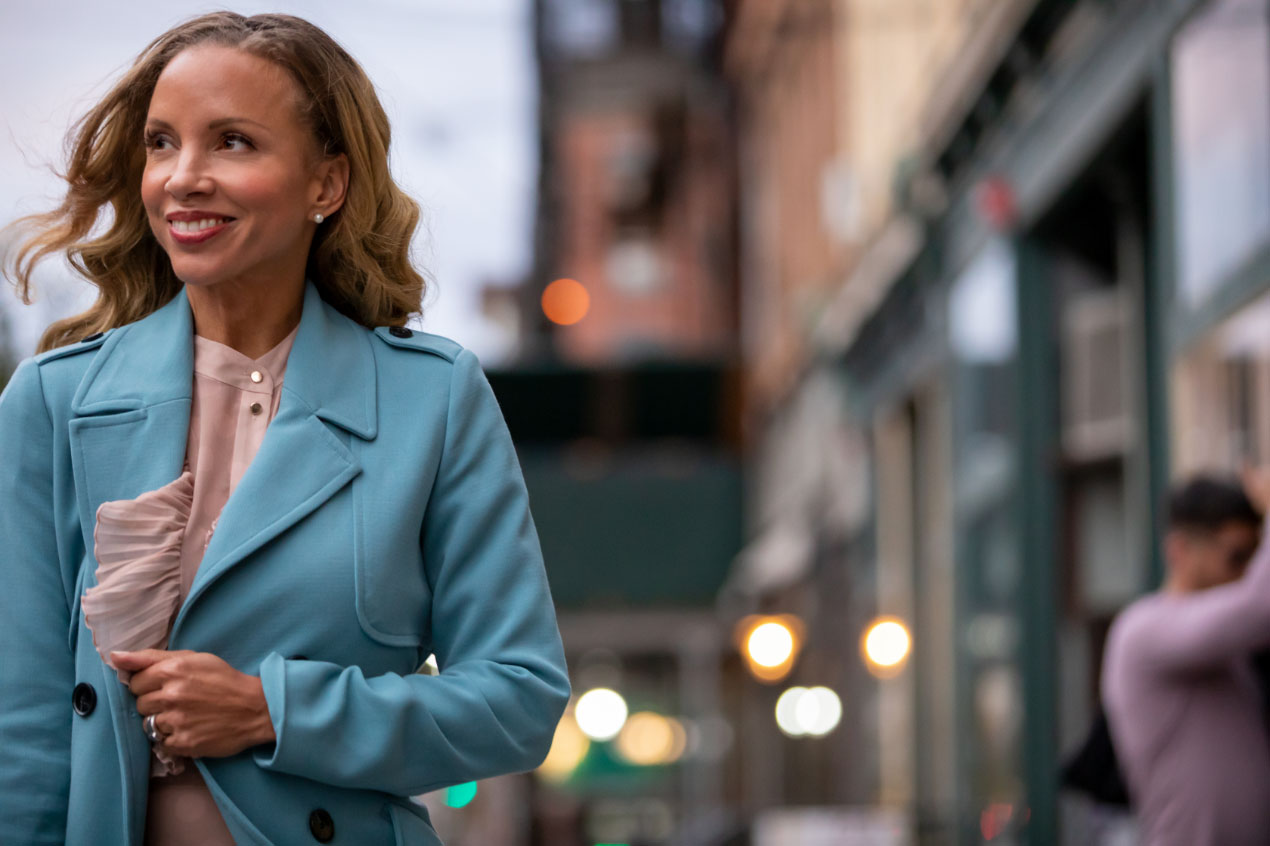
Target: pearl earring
column 317, row 218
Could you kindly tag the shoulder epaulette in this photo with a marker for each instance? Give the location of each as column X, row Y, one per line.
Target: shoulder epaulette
column 90, row 342
column 413, row 339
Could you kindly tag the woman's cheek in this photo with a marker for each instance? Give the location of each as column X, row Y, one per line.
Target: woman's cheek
column 151, row 199
column 158, row 226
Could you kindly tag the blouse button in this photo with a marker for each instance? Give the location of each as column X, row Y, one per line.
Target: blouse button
column 256, row 408
column 256, row 376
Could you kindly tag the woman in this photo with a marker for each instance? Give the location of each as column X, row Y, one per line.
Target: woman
column 240, row 502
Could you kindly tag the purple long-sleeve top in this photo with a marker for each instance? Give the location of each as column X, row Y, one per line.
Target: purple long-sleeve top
column 1185, row 711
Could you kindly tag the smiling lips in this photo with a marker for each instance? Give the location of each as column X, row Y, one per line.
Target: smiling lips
column 195, row 228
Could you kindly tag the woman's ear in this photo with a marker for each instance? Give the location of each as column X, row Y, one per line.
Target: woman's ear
column 331, row 178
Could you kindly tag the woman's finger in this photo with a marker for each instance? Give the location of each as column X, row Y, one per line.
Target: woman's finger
column 150, row 704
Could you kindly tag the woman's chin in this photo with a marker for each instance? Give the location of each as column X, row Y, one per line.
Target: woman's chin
column 196, row 277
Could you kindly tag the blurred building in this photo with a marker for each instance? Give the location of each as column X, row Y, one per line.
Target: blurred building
column 837, row 99
column 927, row 341
column 1005, row 273
column 624, row 402
column 636, row 184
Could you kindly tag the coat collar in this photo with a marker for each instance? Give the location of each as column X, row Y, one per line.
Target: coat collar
column 331, row 367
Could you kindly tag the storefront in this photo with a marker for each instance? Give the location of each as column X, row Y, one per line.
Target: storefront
column 1220, row 215
column 1035, row 378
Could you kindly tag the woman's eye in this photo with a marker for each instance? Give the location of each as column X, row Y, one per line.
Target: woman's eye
column 236, row 141
column 154, row 139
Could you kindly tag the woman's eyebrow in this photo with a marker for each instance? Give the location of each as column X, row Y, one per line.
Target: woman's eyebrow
column 163, row 124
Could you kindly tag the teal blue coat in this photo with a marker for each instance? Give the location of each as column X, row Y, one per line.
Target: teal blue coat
column 384, row 518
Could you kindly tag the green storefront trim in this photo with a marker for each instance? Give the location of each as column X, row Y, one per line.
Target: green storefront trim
column 1036, row 517
column 1161, row 270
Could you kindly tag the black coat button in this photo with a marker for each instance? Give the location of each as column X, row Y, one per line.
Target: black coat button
column 299, row 658
column 321, row 825
column 84, row 698
column 91, row 337
column 400, row 331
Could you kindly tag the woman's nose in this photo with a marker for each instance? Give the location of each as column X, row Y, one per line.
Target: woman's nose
column 189, row 175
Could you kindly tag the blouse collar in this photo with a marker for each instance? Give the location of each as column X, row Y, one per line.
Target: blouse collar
column 226, row 364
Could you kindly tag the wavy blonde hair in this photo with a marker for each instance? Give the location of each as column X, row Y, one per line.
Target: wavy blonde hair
column 359, row 259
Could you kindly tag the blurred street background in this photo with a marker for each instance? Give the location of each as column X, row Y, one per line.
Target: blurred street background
column 849, row 347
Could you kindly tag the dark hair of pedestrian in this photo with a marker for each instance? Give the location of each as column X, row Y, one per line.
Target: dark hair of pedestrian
column 1208, row 502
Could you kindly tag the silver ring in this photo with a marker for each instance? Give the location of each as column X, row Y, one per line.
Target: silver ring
column 152, row 730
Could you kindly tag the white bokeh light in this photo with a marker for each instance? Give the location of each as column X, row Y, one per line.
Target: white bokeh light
column 819, row 710
column 813, row 711
column 601, row 713
column 787, row 711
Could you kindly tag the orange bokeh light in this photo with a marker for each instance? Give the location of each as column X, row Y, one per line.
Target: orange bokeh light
column 565, row 301
column 770, row 644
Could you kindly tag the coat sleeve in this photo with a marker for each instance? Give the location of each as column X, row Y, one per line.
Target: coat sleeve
column 36, row 667
column 503, row 684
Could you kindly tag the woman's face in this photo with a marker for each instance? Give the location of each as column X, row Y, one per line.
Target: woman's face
column 232, row 176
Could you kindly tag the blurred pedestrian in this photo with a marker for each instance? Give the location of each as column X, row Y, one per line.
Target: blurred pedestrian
column 1184, row 707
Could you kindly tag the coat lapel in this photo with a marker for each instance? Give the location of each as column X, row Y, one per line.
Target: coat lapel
column 301, row 463
column 128, row 435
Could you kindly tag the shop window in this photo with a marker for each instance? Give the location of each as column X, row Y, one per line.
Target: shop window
column 582, row 28
column 1221, row 127
column 1221, row 395
column 1096, row 416
column 1109, row 574
column 981, row 322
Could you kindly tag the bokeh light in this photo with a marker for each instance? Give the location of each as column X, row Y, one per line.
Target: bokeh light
column 886, row 646
column 819, row 711
column 787, row 711
column 814, row 711
column 650, row 739
column 994, row 820
column 771, row 644
column 565, row 301
column 568, row 747
column 459, row 795
column 601, row 713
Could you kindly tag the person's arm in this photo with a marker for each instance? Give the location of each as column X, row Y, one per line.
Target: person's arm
column 36, row 667
column 1209, row 627
column 503, row 684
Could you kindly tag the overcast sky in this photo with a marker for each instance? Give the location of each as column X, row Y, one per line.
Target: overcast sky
column 457, row 80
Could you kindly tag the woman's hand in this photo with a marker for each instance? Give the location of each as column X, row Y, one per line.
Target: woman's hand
column 205, row 707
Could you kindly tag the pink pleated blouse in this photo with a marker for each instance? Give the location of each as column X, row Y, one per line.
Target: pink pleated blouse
column 148, row 550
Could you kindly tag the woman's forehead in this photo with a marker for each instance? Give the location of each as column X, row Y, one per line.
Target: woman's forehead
column 211, row 80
